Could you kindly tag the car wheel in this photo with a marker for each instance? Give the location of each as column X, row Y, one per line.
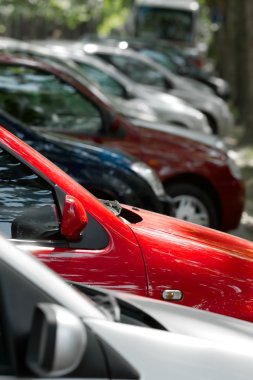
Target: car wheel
column 193, row 204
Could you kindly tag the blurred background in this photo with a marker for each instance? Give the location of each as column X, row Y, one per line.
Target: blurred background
column 220, row 43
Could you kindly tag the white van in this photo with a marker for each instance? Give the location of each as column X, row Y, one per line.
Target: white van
column 172, row 20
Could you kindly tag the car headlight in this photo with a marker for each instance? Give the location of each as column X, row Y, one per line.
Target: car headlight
column 207, row 129
column 150, row 176
column 234, row 169
column 220, row 144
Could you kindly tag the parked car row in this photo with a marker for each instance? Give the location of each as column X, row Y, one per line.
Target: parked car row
column 108, row 134
column 108, row 174
column 143, row 70
column 55, row 98
column 173, row 58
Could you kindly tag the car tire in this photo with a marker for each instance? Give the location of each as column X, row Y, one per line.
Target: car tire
column 193, row 204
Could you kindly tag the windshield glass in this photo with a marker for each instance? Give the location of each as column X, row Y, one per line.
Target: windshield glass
column 161, row 58
column 138, row 70
column 171, row 24
column 102, row 79
column 40, row 99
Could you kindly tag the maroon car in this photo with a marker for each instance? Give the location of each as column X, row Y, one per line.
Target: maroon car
column 202, row 179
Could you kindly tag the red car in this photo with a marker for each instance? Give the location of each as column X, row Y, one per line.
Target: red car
column 201, row 178
column 44, row 210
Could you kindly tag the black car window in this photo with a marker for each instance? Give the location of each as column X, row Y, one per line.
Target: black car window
column 40, row 99
column 106, row 83
column 27, row 207
column 138, row 71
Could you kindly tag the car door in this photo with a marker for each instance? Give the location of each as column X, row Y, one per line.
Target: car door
column 30, row 217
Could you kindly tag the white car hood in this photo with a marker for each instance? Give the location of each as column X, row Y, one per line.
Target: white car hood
column 154, row 106
column 193, row 322
column 162, row 355
column 198, row 99
column 135, row 108
column 168, row 103
column 159, row 96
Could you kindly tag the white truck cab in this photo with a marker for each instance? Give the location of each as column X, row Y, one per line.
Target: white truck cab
column 172, row 20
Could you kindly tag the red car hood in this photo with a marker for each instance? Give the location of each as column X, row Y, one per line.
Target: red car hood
column 156, row 225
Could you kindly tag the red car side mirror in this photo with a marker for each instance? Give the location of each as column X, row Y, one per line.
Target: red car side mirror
column 74, row 218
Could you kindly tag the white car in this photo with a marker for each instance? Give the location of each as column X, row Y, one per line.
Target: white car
column 145, row 71
column 168, row 108
column 48, row 329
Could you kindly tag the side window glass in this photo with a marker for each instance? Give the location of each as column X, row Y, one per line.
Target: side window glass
column 106, row 83
column 138, row 71
column 27, row 207
column 40, row 99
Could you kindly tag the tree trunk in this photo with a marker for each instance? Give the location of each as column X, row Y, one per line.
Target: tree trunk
column 247, row 68
column 234, row 54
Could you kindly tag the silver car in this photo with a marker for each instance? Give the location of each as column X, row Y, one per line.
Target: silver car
column 168, row 108
column 48, row 329
column 145, row 71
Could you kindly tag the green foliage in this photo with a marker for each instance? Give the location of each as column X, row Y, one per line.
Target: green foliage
column 113, row 15
column 109, row 15
column 68, row 12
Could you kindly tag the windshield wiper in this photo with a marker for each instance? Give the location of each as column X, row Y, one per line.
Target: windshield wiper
column 113, row 206
column 107, row 303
